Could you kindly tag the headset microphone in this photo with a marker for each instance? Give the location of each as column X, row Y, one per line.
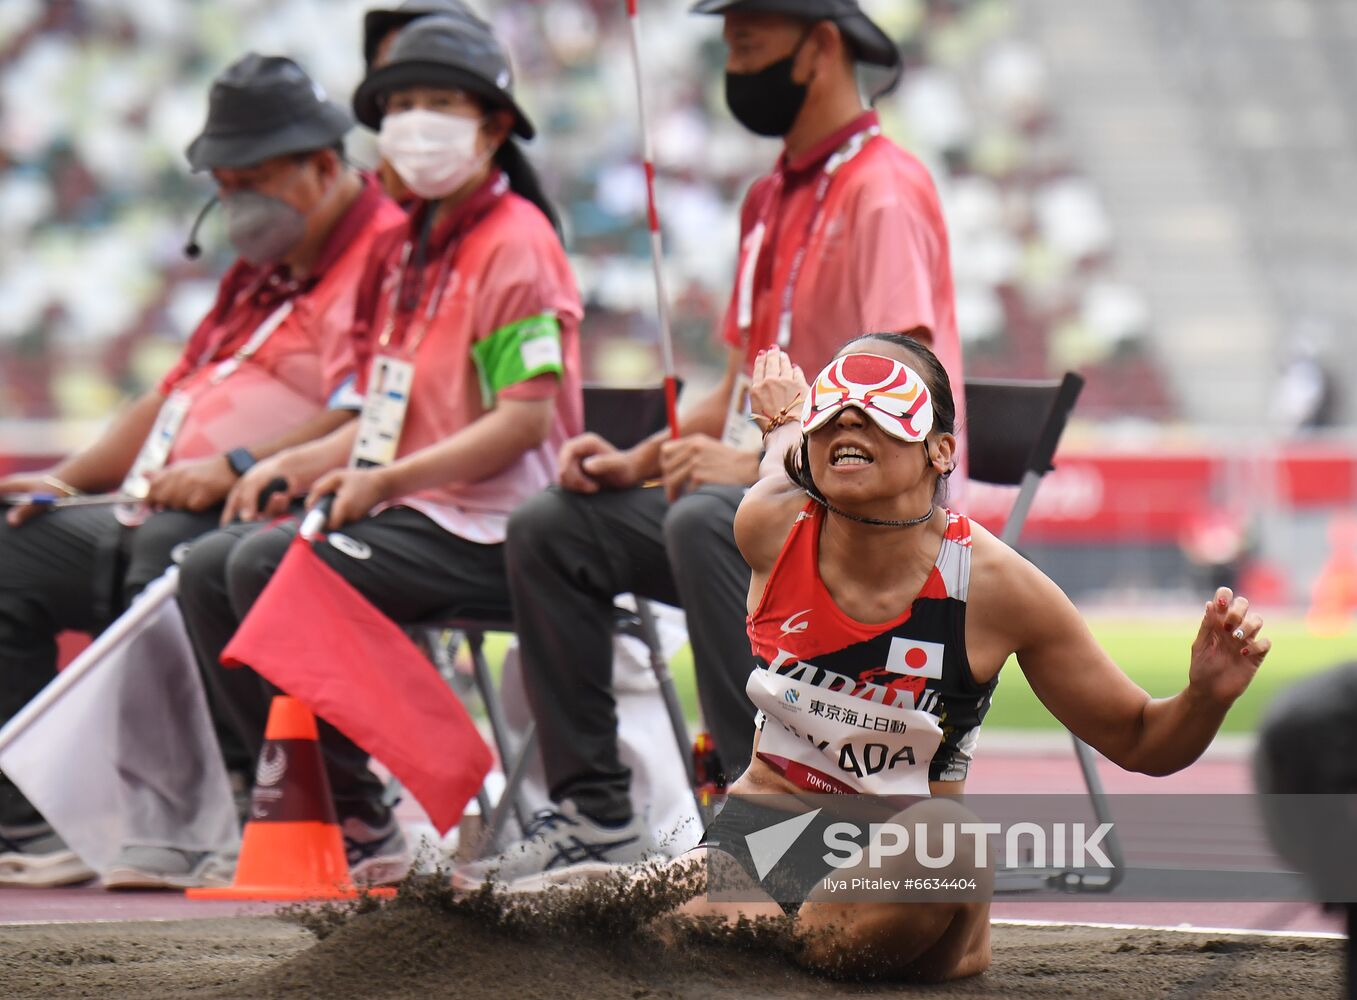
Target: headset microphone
column 191, row 249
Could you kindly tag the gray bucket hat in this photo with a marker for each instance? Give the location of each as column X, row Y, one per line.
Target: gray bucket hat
column 261, row 107
column 443, row 51
column 869, row 43
column 377, row 24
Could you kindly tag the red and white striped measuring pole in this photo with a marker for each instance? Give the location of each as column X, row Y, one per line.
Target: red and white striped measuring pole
column 653, row 215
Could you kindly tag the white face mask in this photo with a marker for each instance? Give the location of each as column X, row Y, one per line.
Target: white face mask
column 434, row 153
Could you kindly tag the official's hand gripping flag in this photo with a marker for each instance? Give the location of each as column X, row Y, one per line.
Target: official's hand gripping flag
column 315, row 637
column 119, row 749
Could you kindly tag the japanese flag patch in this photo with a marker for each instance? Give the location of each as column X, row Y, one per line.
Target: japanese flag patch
column 915, row 658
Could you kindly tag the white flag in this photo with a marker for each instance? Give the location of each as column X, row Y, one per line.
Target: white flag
column 119, row 749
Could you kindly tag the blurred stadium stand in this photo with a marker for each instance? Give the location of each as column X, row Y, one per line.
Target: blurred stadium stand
column 1222, row 135
column 99, row 98
column 1155, row 193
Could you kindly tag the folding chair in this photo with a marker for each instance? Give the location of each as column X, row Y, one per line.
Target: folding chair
column 624, row 417
column 1014, row 428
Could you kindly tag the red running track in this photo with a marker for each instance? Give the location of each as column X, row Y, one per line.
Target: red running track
column 1004, row 764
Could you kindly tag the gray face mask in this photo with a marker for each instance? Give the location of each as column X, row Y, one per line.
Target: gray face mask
column 263, row 229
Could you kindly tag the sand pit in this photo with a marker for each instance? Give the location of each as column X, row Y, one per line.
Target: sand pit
column 425, row 946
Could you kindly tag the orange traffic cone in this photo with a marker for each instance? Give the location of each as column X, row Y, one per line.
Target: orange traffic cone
column 292, row 848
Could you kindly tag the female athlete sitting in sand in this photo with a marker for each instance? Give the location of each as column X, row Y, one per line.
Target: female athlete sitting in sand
column 862, row 583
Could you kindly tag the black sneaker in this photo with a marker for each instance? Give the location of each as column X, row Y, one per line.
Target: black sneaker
column 377, row 852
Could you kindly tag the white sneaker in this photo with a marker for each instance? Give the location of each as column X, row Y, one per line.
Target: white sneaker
column 558, row 841
column 569, row 877
column 141, row 867
column 37, row 858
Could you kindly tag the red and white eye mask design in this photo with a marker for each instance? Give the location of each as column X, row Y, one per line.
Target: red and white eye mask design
column 889, row 392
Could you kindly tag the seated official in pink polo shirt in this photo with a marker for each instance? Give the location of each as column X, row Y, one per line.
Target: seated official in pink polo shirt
column 268, row 367
column 470, row 318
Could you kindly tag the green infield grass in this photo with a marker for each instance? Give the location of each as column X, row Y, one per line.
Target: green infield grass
column 1153, row 651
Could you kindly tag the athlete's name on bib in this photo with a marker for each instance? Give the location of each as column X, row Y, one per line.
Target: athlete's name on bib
column 865, row 759
column 786, row 665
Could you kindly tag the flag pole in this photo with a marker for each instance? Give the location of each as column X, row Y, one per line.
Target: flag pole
column 653, row 218
column 313, row 525
column 128, row 624
column 156, row 593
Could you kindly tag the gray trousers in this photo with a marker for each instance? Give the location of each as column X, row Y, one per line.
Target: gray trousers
column 415, row 571
column 74, row 569
column 569, row 555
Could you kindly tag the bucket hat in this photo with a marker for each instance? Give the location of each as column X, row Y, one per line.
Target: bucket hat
column 443, row 50
column 261, row 107
column 868, row 42
column 377, row 24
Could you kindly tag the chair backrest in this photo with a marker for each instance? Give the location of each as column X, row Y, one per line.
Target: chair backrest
column 624, row 416
column 1013, row 427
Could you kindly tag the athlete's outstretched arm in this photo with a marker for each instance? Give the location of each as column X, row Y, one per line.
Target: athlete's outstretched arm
column 767, row 512
column 1081, row 685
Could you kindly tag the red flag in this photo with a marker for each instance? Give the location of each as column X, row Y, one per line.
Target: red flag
column 315, row 637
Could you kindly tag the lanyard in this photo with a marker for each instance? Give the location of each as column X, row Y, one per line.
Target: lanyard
column 257, row 340
column 482, row 202
column 266, row 329
column 435, row 299
column 854, row 145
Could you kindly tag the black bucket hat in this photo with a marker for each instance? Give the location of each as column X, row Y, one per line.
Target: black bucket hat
column 261, row 107
column 869, row 43
column 443, row 51
column 377, row 24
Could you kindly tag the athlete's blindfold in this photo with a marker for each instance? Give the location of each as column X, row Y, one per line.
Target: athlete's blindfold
column 889, row 392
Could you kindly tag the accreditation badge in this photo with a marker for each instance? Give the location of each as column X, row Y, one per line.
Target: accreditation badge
column 390, row 382
column 155, row 450
column 154, row 454
column 740, row 432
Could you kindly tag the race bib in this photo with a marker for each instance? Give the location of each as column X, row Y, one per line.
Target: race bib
column 384, row 408
column 740, row 431
column 155, row 450
column 826, row 739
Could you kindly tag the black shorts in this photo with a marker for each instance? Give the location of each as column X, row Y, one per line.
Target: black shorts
column 802, row 865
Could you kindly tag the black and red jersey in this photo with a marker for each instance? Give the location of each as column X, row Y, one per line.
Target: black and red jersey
column 880, row 708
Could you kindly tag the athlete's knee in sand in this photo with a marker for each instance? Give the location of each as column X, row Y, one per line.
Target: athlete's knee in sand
column 932, row 923
column 919, row 930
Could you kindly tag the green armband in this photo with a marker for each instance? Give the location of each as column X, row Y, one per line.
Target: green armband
column 517, row 352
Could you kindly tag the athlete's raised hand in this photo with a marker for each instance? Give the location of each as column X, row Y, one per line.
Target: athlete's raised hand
column 1229, row 648
column 777, row 388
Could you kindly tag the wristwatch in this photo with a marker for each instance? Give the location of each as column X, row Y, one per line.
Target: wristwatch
column 240, row 460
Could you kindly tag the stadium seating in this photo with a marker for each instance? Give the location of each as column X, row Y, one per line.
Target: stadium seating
column 95, row 199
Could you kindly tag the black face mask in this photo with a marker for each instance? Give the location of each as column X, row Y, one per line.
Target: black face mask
column 767, row 102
